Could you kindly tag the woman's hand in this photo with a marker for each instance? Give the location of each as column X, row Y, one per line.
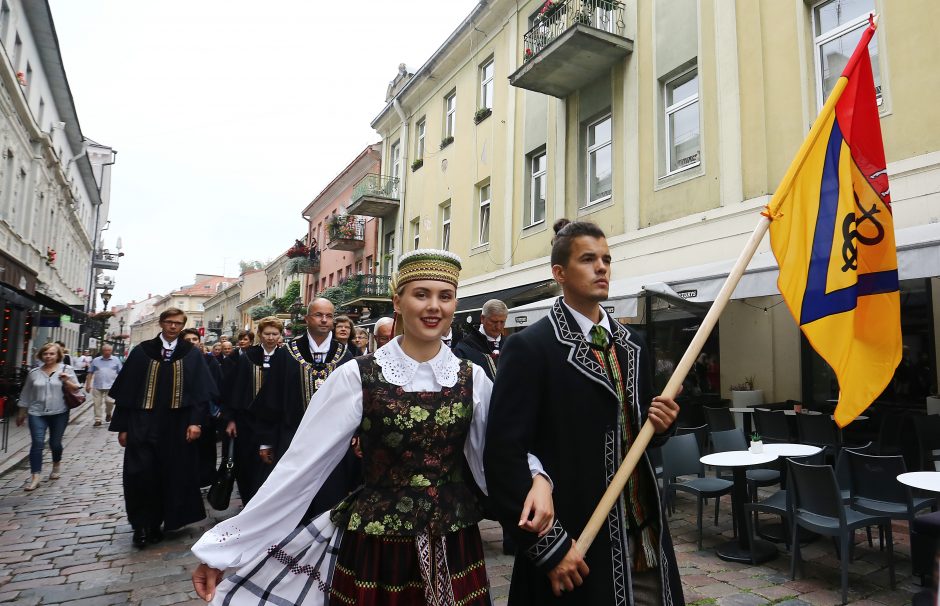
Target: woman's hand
column 21, row 417
column 122, row 439
column 205, row 578
column 231, row 429
column 538, row 506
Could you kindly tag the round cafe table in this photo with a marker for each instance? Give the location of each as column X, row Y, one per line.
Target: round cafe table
column 925, row 480
column 741, row 549
column 777, row 532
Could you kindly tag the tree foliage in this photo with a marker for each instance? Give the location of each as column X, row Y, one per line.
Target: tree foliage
column 244, row 266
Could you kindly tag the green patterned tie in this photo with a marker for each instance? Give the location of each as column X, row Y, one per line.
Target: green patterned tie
column 598, row 335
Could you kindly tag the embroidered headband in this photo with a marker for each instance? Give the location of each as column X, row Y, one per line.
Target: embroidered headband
column 426, row 264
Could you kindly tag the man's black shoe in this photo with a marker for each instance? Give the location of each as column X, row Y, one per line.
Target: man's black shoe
column 155, row 535
column 140, row 537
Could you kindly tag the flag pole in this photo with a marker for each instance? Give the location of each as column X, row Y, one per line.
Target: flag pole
column 619, row 481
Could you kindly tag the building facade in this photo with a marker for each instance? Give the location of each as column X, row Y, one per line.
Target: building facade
column 53, row 192
column 343, row 238
column 669, row 124
column 190, row 299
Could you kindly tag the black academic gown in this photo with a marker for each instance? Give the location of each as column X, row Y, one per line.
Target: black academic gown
column 155, row 402
column 552, row 398
column 207, row 440
column 256, row 401
column 348, row 473
column 476, row 348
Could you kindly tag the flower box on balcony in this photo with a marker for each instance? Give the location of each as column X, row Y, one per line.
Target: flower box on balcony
column 446, row 141
column 482, row 114
column 417, row 164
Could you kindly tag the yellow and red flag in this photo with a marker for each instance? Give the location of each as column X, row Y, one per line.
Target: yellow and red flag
column 832, row 232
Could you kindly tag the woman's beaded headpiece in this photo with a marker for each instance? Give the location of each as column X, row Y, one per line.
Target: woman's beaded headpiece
column 426, row 264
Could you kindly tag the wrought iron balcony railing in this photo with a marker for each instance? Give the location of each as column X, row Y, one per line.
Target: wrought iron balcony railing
column 605, row 15
column 346, row 227
column 106, row 260
column 373, row 286
column 376, row 185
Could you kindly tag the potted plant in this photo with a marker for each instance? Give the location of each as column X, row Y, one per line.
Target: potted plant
column 446, row 141
column 745, row 394
column 417, row 164
column 757, row 444
column 482, row 114
column 299, row 249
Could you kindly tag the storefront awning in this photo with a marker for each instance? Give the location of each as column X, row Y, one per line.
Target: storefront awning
column 506, row 295
column 77, row 314
column 918, row 257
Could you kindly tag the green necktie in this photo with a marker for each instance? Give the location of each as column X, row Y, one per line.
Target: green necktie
column 598, row 335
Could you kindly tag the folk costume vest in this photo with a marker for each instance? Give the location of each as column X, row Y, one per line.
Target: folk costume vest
column 412, row 444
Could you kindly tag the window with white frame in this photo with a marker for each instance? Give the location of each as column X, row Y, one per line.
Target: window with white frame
column 483, row 218
column 486, row 85
column 389, row 253
column 416, row 233
column 538, row 173
column 598, row 160
column 396, row 159
column 837, row 28
column 445, row 226
column 450, row 114
column 421, row 129
column 683, row 144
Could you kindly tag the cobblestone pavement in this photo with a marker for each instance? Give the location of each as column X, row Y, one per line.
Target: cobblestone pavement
column 69, row 543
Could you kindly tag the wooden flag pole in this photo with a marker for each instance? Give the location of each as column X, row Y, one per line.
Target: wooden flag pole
column 619, row 481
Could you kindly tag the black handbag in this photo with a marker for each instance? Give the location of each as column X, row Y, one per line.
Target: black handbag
column 220, row 493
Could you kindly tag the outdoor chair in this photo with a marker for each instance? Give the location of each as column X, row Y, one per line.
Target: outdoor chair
column 681, row 458
column 818, row 507
column 719, row 419
column 700, row 433
column 921, row 436
column 779, row 502
column 889, row 433
column 773, row 426
column 925, row 540
column 819, row 430
column 876, row 490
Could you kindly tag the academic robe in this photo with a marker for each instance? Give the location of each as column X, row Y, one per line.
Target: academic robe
column 207, row 440
column 155, row 402
column 476, row 348
column 256, row 401
column 302, row 379
column 552, row 398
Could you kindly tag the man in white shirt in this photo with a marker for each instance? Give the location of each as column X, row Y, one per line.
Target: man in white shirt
column 102, row 372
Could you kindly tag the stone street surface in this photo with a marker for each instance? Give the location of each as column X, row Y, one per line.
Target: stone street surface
column 68, row 542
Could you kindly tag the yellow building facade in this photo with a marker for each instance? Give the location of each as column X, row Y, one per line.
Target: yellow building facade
column 669, row 123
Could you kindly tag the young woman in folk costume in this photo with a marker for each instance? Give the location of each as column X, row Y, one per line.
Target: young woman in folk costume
column 409, row 536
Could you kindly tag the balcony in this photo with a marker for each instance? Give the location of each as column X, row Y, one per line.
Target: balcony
column 346, row 232
column 106, row 260
column 375, row 196
column 304, row 265
column 572, row 44
column 365, row 288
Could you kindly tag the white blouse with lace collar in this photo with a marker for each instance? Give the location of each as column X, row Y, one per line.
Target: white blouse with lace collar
column 403, row 371
column 331, row 419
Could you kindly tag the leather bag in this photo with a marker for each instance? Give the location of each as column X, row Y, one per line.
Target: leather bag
column 73, row 399
column 220, row 493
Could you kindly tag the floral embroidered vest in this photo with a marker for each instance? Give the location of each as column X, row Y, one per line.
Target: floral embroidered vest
column 413, row 462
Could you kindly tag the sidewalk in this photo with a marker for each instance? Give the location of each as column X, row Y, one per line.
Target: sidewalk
column 19, row 441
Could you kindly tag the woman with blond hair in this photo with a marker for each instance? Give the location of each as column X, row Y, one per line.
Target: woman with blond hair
column 409, row 536
column 255, row 404
column 43, row 401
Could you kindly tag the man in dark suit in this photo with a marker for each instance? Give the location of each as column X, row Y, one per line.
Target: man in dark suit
column 482, row 346
column 574, row 389
column 313, row 356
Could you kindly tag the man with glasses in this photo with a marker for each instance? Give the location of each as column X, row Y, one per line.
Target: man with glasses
column 313, row 356
column 382, row 331
column 161, row 399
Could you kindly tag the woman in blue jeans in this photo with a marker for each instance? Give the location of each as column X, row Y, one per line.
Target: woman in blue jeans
column 43, row 402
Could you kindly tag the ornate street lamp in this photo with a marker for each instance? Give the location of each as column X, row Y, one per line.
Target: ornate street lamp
column 105, row 299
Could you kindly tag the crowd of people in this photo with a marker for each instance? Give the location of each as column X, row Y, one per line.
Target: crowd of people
column 364, row 464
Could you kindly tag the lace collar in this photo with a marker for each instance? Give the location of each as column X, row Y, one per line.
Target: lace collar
column 398, row 369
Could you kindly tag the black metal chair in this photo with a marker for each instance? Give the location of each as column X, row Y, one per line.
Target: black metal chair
column 817, row 506
column 681, row 458
column 819, row 430
column 773, row 426
column 921, row 436
column 701, row 435
column 719, row 419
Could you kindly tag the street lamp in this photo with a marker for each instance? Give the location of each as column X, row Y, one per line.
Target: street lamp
column 121, row 324
column 105, row 299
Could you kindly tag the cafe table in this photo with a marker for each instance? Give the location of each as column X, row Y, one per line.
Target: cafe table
column 741, row 550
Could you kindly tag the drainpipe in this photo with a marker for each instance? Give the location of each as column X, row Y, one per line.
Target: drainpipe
column 404, row 145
